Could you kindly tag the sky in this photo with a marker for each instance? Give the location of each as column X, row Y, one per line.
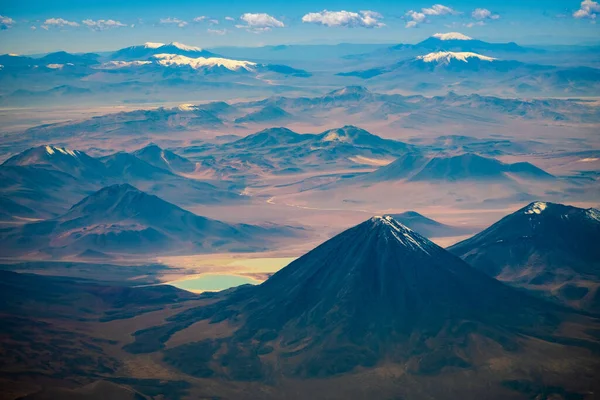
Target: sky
column 41, row 26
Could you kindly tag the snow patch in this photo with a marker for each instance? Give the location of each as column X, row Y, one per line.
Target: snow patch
column 445, row 57
column 452, row 36
column 403, row 234
column 202, row 62
column 123, row 64
column 187, row 107
column 52, row 149
column 184, row 47
column 593, row 214
column 151, row 45
column 536, row 208
column 336, row 137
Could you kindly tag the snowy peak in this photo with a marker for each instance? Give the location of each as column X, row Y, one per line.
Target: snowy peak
column 51, row 150
column 348, row 134
column 43, row 155
column 536, row 208
column 148, row 49
column 350, row 91
column 151, row 45
column 446, row 57
column 541, row 209
column 397, row 232
column 451, row 36
column 169, row 60
column 183, row 47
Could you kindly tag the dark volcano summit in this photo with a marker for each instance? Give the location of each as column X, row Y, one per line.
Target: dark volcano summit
column 376, row 294
column 548, row 248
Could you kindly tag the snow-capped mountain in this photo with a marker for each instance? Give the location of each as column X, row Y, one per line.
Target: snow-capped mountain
column 198, row 64
column 168, row 60
column 149, row 49
column 458, row 42
column 372, row 291
column 550, row 249
column 451, row 36
column 73, row 162
column 446, row 57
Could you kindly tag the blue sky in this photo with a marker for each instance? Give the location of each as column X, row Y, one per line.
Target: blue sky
column 36, row 26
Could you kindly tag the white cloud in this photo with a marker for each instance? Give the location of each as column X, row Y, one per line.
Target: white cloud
column 417, row 17
column 219, row 32
column 472, row 24
column 364, row 19
column 173, row 21
column 589, row 9
column 229, row 19
column 33, row 27
column 438, row 9
column 483, row 13
column 6, row 22
column 259, row 22
column 58, row 23
column 204, row 18
column 102, row 24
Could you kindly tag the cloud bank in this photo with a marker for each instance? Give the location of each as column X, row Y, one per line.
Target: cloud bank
column 348, row 19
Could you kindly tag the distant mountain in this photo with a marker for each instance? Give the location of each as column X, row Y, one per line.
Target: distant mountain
column 268, row 114
column 465, row 167
column 448, row 62
column 165, row 159
column 49, row 179
column 474, row 69
column 62, row 57
column 454, row 41
column 474, row 167
column 53, row 60
column 428, row 227
column 73, row 162
column 546, row 248
column 278, row 149
column 127, row 166
column 269, row 137
column 197, row 63
column 121, row 219
column 149, row 49
column 378, row 295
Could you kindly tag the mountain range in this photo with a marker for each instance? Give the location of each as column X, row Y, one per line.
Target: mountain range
column 355, row 104
column 546, row 248
column 474, row 70
column 121, row 219
column 62, row 177
column 416, row 166
column 374, row 298
column 280, row 149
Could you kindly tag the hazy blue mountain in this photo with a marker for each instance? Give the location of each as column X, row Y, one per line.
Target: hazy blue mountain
column 144, row 51
column 122, row 219
column 549, row 249
column 165, row 159
column 428, row 227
